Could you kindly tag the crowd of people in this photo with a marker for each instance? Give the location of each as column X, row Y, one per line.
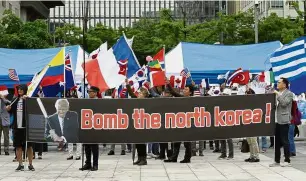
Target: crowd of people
column 169, row 152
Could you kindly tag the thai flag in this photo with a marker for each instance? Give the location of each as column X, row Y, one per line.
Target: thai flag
column 233, row 75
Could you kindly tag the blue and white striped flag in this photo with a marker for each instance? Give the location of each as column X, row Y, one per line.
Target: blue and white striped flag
column 289, row 61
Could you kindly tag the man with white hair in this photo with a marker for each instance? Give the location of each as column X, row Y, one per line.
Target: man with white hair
column 63, row 126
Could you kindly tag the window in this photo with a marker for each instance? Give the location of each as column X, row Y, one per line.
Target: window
column 10, row 6
column 291, row 3
column 4, row 3
column 277, row 4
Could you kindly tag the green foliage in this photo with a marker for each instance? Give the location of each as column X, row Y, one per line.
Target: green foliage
column 151, row 34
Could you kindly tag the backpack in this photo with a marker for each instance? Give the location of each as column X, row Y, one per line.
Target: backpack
column 296, row 114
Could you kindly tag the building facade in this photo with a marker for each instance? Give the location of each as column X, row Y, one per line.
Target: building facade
column 116, row 13
column 283, row 8
column 29, row 10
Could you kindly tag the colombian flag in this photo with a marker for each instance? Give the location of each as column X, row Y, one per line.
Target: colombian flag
column 55, row 72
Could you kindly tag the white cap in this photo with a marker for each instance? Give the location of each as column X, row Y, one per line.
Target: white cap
column 227, row 91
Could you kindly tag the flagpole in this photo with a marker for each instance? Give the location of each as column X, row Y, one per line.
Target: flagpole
column 64, row 71
column 164, row 49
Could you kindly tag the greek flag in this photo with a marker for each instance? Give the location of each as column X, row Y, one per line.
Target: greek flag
column 289, row 61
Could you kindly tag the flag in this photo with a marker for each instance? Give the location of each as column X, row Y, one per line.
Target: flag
column 123, row 67
column 260, row 77
column 69, row 77
column 94, row 54
column 55, row 72
column 13, row 75
column 205, row 84
column 269, row 77
column 122, row 51
column 33, row 87
column 104, row 71
column 154, row 66
column 178, row 81
column 242, row 78
column 3, row 90
column 197, row 93
column 233, row 75
column 289, row 62
column 225, row 76
column 185, row 73
column 157, row 78
column 160, row 56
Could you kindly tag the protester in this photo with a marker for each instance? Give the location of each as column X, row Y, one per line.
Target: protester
column 19, row 126
column 92, row 148
column 227, row 92
column 187, row 92
column 291, row 132
column 4, row 123
column 284, row 98
column 252, row 141
column 141, row 148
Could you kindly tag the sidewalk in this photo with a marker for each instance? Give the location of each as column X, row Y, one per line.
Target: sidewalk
column 54, row 166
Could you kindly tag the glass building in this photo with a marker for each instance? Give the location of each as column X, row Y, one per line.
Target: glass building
column 116, row 13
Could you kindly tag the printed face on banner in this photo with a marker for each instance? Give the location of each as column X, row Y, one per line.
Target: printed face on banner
column 62, row 107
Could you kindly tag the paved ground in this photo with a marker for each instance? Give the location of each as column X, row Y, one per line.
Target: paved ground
column 54, row 166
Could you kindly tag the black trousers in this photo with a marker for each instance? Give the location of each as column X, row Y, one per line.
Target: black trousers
column 217, row 144
column 94, row 149
column 163, row 149
column 176, row 151
column 141, row 150
column 281, row 140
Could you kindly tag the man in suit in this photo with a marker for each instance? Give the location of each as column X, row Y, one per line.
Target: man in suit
column 63, row 126
column 4, row 123
column 284, row 99
column 92, row 148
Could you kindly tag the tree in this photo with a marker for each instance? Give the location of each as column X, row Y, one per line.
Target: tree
column 69, row 34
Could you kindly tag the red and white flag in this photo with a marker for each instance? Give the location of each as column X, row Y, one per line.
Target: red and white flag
column 3, row 90
column 178, row 81
column 104, row 71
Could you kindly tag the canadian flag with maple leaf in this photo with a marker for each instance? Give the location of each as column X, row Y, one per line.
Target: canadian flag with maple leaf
column 178, row 81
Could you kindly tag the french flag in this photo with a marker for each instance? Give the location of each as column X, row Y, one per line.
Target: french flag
column 106, row 71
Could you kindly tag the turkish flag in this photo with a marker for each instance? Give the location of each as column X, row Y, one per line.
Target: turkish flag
column 242, row 78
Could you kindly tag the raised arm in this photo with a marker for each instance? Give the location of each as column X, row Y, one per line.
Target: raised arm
column 129, row 89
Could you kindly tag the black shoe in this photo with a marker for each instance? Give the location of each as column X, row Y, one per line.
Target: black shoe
column 78, row 158
column 170, row 160
column 271, row 146
column 292, row 154
column 111, row 152
column 201, row 153
column 222, row 157
column 185, row 161
column 254, row 160
column 216, row 151
column 194, row 153
column 6, row 153
column 85, row 167
column 20, row 168
column 143, row 161
column 248, row 160
column 70, row 158
column 122, row 152
column 135, row 163
column 31, row 168
column 160, row 157
column 94, row 168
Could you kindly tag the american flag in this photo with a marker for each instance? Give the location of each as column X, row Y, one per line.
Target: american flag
column 196, row 93
column 185, row 73
column 68, row 63
column 13, row 74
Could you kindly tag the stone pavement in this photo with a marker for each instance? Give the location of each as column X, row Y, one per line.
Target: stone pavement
column 54, row 166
